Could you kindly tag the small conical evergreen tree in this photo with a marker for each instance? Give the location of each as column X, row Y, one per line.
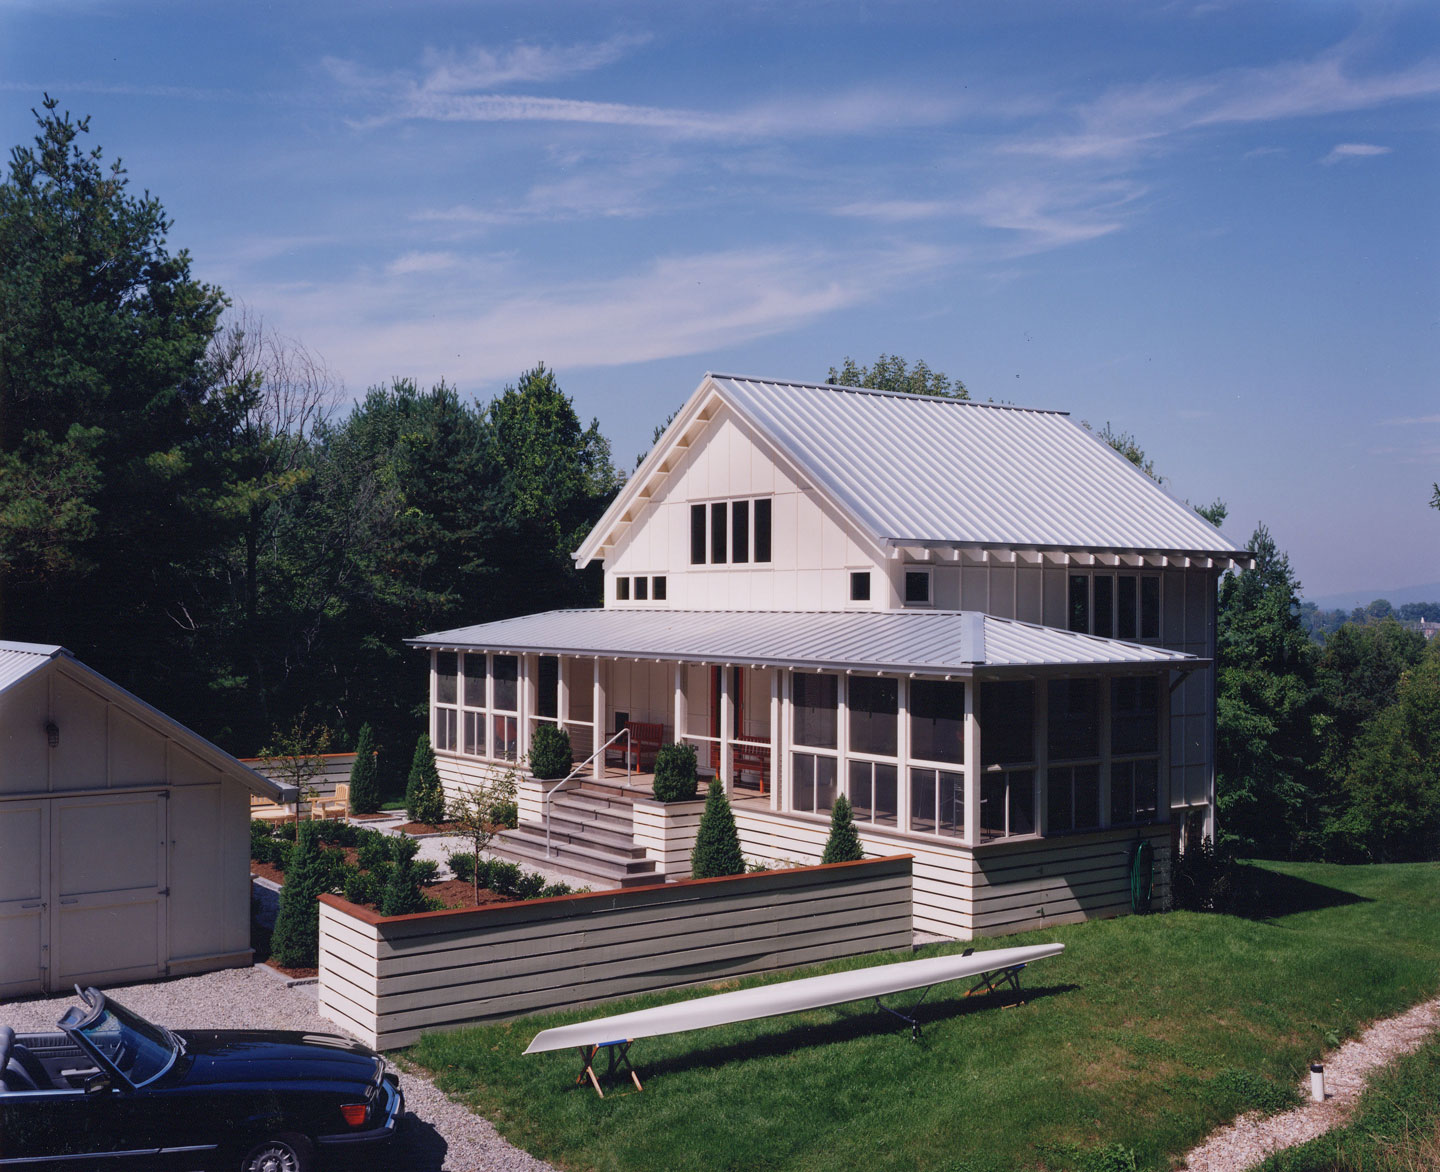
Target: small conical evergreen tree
column 717, row 843
column 365, row 775
column 424, row 797
column 402, row 895
column 843, row 845
column 296, row 940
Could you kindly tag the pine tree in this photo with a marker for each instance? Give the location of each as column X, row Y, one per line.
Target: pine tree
column 424, row 796
column 296, row 940
column 717, row 843
column 365, row 774
column 402, row 895
column 843, row 845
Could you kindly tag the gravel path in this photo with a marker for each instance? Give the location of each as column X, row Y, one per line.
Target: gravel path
column 1251, row 1138
column 439, row 1135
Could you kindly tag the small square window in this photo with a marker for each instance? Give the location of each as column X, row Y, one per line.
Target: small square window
column 622, row 589
column 917, row 587
column 658, row 588
column 860, row 586
column 642, row 589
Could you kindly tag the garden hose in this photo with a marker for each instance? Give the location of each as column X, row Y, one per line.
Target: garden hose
column 1142, row 876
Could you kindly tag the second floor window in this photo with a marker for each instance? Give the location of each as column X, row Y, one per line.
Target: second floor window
column 730, row 532
column 1115, row 606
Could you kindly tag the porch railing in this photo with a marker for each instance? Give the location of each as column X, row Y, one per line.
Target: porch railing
column 578, row 771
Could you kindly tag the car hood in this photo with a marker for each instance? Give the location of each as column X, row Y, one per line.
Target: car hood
column 269, row 1056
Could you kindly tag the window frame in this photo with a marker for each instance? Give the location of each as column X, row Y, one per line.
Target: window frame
column 926, row 572
column 717, row 524
column 1149, row 590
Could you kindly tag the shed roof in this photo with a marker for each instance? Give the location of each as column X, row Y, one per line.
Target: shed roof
column 19, row 661
column 902, row 641
column 929, row 471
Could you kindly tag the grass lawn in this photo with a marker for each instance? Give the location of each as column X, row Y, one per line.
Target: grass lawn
column 1147, row 1033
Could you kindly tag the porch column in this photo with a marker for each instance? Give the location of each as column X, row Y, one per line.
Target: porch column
column 902, row 752
column 529, row 667
column 682, row 712
column 1104, row 751
column 971, row 837
column 1162, row 766
column 1041, row 749
column 562, row 692
column 597, row 715
column 777, row 753
column 727, row 716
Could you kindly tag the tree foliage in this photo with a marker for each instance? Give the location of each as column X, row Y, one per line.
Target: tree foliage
column 1267, row 717
column 550, row 753
column 1128, row 446
column 717, row 842
column 296, row 940
column 890, row 372
column 843, row 844
column 365, row 797
column 675, row 773
column 424, row 795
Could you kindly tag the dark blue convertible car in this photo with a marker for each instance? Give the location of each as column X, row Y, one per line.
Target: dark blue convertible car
column 110, row 1090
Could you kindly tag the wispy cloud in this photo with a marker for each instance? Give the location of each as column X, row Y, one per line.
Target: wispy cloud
column 1353, row 150
column 678, row 305
column 1410, row 420
column 457, row 71
column 1129, row 119
column 421, row 262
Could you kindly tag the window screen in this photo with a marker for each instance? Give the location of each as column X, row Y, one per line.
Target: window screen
column 1079, row 603
column 815, row 699
column 762, row 530
column 917, row 586
column 740, row 531
column 447, row 666
column 718, row 534
column 872, row 704
column 937, row 720
column 860, row 586
column 697, row 535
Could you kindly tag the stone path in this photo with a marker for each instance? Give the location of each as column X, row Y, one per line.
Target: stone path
column 1252, row 1137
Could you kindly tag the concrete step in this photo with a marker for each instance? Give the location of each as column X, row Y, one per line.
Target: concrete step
column 579, row 843
column 579, row 808
column 590, row 831
column 602, row 869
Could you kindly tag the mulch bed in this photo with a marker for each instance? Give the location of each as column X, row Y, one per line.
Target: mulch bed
column 428, row 828
column 452, row 893
column 267, row 871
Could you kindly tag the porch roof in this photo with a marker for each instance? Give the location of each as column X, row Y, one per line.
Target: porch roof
column 934, row 642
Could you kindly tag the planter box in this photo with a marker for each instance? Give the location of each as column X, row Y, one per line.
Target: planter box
column 667, row 831
column 388, row 979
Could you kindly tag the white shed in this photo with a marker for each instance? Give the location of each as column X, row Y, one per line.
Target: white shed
column 124, row 836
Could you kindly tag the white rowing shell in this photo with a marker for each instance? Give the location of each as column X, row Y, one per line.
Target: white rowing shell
column 787, row 997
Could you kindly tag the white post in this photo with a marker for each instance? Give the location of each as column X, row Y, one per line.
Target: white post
column 682, row 715
column 777, row 729
column 528, row 666
column 1041, row 749
column 902, row 752
column 971, row 837
column 562, row 693
column 727, row 703
column 1104, row 751
column 597, row 716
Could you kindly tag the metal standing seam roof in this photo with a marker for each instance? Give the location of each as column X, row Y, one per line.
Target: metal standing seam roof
column 918, row 468
column 909, row 641
column 19, row 660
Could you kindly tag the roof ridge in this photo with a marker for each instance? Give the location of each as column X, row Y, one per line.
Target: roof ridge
column 882, row 393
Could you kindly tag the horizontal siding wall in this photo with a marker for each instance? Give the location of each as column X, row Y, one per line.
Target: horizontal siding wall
column 998, row 889
column 336, row 769
column 390, row 979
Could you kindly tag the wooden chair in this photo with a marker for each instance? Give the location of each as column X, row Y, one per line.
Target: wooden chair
column 265, row 810
column 745, row 759
column 645, row 740
column 337, row 805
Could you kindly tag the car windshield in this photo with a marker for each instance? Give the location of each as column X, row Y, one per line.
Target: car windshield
column 138, row 1049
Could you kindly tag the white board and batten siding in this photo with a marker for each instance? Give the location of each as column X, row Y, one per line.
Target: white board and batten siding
column 388, row 980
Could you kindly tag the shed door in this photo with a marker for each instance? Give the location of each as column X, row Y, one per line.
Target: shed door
column 109, row 887
column 24, row 888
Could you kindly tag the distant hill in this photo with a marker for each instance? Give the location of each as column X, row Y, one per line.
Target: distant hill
column 1395, row 595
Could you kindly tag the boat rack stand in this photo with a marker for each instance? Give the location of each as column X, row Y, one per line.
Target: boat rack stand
column 991, row 982
column 618, row 1053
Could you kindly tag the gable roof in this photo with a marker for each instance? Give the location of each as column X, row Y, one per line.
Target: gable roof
column 20, row 661
column 933, row 642
column 923, row 471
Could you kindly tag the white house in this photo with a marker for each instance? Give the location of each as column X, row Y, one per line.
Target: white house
column 124, row 836
column 981, row 623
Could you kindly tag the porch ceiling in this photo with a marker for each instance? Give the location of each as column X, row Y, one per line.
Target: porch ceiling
column 930, row 642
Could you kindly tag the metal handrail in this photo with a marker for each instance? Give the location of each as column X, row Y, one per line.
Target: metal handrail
column 577, row 771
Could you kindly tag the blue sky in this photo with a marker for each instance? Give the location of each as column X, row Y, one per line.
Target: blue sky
column 1212, row 224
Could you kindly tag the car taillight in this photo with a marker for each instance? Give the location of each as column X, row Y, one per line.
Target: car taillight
column 353, row 1113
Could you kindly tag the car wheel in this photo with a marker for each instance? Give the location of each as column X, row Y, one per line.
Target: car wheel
column 281, row 1153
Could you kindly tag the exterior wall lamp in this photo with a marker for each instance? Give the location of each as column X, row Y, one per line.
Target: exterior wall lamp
column 52, row 734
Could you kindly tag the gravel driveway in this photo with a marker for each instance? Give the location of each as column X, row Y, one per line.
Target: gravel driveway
column 438, row 1135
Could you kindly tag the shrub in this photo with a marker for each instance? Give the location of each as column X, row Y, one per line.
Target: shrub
column 843, row 845
column 372, row 851
column 717, row 843
column 1205, row 878
column 296, row 942
column 505, row 815
column 402, row 848
column 402, row 895
column 259, row 829
column 424, row 797
column 675, row 777
column 462, row 865
column 425, row 871
column 530, row 886
column 285, row 831
column 554, row 889
column 333, row 832
column 550, row 752
column 503, row 878
column 365, row 774
column 361, row 887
